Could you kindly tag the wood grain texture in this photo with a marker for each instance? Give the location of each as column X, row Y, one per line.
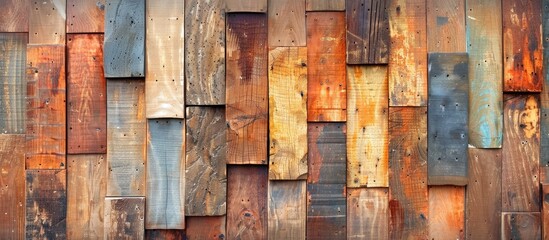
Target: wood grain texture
column 124, row 38
column 326, row 202
column 447, row 119
column 288, row 113
column 521, row 225
column 520, row 168
column 164, row 234
column 164, row 81
column 201, row 228
column 367, row 124
column 485, row 73
column 327, row 92
column 544, row 96
column 12, row 183
column 15, row 16
column 85, row 16
column 446, row 212
column 47, row 22
column 247, row 89
column 287, row 210
column 408, row 53
column 368, row 213
column 287, row 23
column 46, row 204
column 367, row 32
column 86, row 95
column 408, row 194
column 46, row 110
column 247, row 202
column 522, row 50
column 205, row 52
column 86, row 187
column 325, row 5
column 206, row 162
column 246, row 5
column 446, row 26
column 165, row 174
column 124, row 218
column 13, row 86
column 126, row 137
column 545, row 211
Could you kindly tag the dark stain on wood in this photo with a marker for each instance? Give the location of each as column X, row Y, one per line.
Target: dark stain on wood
column 124, row 218
column 13, row 88
column 205, row 228
column 521, row 225
column 367, row 32
column 165, row 234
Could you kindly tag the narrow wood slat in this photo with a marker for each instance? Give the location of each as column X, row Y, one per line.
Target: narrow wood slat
column 287, row 23
column 246, row 5
column 85, row 16
column 13, row 88
column 287, row 210
column 47, row 22
column 521, row 225
column 165, row 234
column 368, row 37
column 15, row 16
column 544, row 119
column 325, row 5
column 368, row 213
column 12, row 183
column 198, row 228
column 446, row 212
column 124, row 218
column 545, row 211
column 446, row 26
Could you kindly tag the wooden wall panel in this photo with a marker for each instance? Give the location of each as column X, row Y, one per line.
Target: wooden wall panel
column 326, row 69
column 367, row 124
column 15, row 16
column 288, row 113
column 544, row 119
column 126, row 137
column 198, row 228
column 124, row 38
column 12, row 184
column 325, row 5
column 446, row 26
column 545, row 211
column 85, row 16
column 86, row 95
column 287, row 210
column 205, row 52
column 246, row 5
column 367, row 213
column 124, row 218
column 367, row 32
column 521, row 225
column 287, row 23
column 13, row 89
column 46, row 110
column 446, row 212
column 247, row 88
column 47, row 22
column 165, row 234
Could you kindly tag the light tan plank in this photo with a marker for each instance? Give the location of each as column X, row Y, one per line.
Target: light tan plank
column 246, row 5
column 368, row 213
column 325, row 5
column 287, row 23
column 47, row 22
column 287, row 210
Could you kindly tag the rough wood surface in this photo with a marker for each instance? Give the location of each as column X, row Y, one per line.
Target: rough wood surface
column 521, row 225
column 124, row 38
column 246, row 5
column 206, row 162
column 86, row 95
column 325, row 5
column 12, row 183
column 46, row 110
column 288, row 113
column 47, row 22
column 368, row 213
column 247, row 89
column 446, row 26
column 124, row 218
column 126, row 137
column 367, row 124
column 544, row 119
column 287, row 210
column 446, row 212
column 326, row 69
column 545, row 210
column 13, row 88
column 287, row 23
column 165, row 174
column 205, row 52
column 165, row 59
column 165, row 234
column 85, row 16
column 326, row 202
column 367, row 32
column 202, row 228
column 15, row 16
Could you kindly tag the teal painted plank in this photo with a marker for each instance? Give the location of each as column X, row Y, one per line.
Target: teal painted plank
column 544, row 119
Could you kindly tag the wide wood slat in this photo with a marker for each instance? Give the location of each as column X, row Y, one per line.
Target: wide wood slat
column 446, row 26
column 12, row 183
column 367, row 32
column 246, row 5
column 85, row 16
column 13, row 88
column 47, row 22
column 287, row 210
column 287, row 23
column 446, row 212
column 124, row 218
column 15, row 16
column 521, row 225
column 545, row 211
column 325, row 5
column 198, row 228
column 367, row 213
column 165, row 234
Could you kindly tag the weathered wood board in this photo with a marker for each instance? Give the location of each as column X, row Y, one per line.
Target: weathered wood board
column 46, row 110
column 521, row 225
column 288, row 113
column 199, row 228
column 326, row 202
column 446, row 212
column 484, row 42
column 15, row 17
column 447, row 119
column 124, row 38
column 247, row 89
column 246, row 5
column 287, row 23
column 46, row 204
column 206, row 162
column 367, row 125
column 446, row 26
column 165, row 59
column 205, row 52
column 325, row 5
column 287, row 209
column 13, row 87
column 522, row 50
column 165, row 174
column 544, row 119
column 12, row 183
column 47, row 22
column 408, row 194
column 86, row 188
column 368, row 213
column 326, row 68
column 126, row 137
column 165, row 234
column 247, row 202
column 408, row 53
column 124, row 218
column 520, row 167
column 545, row 210
column 85, row 16
column 86, row 95
column 367, row 32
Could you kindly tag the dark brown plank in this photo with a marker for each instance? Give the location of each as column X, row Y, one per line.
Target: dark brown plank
column 325, row 5
column 85, row 16
column 124, row 218
column 368, row 213
column 446, row 212
column 12, row 183
column 446, row 26
column 367, row 32
column 246, row 5
column 521, row 225
column 202, row 228
column 47, row 22
column 15, row 16
column 287, row 23
column 164, row 234
column 13, row 88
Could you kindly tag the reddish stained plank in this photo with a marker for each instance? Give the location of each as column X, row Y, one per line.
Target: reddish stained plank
column 85, row 16
column 521, row 225
column 446, row 212
column 14, row 16
column 164, row 234
column 545, row 211
column 446, row 26
column 12, row 183
column 202, row 228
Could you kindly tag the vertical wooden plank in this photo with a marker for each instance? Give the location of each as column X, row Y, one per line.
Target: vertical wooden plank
column 288, row 113
column 545, row 211
column 247, row 202
column 287, row 23
column 198, row 228
column 46, row 111
column 408, row 197
column 485, row 73
column 12, row 183
column 85, row 16
column 206, row 162
column 124, row 38
column 126, row 137
column 86, row 187
column 325, row 5
column 247, row 89
column 46, row 204
column 15, row 16
column 165, row 174
column 13, row 87
column 446, row 26
column 521, row 225
column 367, row 32
column 86, row 95
column 446, row 212
column 367, row 213
column 327, row 99
column 447, row 119
column 164, row 66
column 326, row 202
column 520, row 169
column 287, row 210
column 205, row 52
column 47, row 22
column 164, row 234
column 246, row 5
column 408, row 53
column 544, row 119
column 124, row 218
